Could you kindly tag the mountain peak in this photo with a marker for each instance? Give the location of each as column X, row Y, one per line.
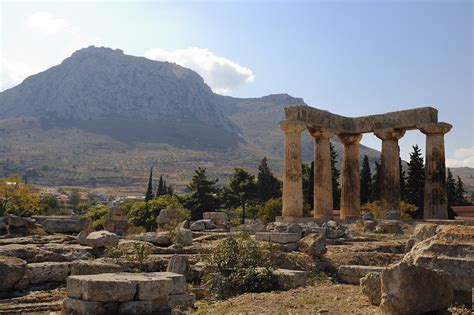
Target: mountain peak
column 93, row 50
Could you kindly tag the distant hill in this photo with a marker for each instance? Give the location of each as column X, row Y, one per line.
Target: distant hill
column 103, row 118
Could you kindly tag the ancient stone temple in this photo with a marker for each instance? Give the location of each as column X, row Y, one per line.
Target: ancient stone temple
column 389, row 128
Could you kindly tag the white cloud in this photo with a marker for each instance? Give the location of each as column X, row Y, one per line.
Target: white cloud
column 464, row 157
column 41, row 41
column 221, row 74
column 47, row 23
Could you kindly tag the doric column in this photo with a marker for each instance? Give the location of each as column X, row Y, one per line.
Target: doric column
column 390, row 179
column 323, row 203
column 350, row 182
column 435, row 201
column 292, row 177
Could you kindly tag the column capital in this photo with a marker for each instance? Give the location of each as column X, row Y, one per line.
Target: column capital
column 349, row 138
column 389, row 134
column 319, row 133
column 292, row 126
column 439, row 128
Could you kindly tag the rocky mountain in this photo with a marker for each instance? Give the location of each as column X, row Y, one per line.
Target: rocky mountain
column 102, row 118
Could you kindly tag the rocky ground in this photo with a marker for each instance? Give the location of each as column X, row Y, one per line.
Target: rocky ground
column 329, row 261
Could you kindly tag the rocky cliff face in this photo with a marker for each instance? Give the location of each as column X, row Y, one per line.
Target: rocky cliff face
column 101, row 83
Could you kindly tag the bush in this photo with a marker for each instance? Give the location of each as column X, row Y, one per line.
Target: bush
column 270, row 210
column 407, row 210
column 238, row 264
column 97, row 214
column 134, row 252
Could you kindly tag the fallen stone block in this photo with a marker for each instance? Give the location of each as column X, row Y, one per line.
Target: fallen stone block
column 12, row 271
column 157, row 238
column 218, row 218
column 48, row 272
column 101, row 239
column 313, row 244
column 291, row 279
column 184, row 237
column 73, row 306
column 281, row 238
column 353, row 273
column 372, row 287
column 409, row 289
column 198, row 226
column 91, row 267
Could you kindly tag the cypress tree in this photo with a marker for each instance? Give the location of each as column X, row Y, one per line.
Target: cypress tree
column 376, row 182
column 149, row 190
column 161, row 187
column 415, row 184
column 451, row 194
column 336, row 191
column 402, row 181
column 311, row 185
column 365, row 181
column 268, row 186
column 305, row 170
column 459, row 199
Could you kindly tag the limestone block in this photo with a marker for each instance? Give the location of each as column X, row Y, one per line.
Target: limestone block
column 102, row 239
column 179, row 281
column 153, row 286
column 61, row 224
column 73, row 306
column 209, row 224
column 372, row 287
column 353, row 273
column 179, row 264
column 181, row 299
column 157, row 238
column 48, row 272
column 281, row 238
column 409, row 289
column 15, row 221
column 313, row 244
column 102, row 287
column 91, row 267
column 184, row 237
column 291, row 279
column 370, row 225
column 136, row 308
column 12, row 271
column 424, row 231
column 391, row 227
column 218, row 218
column 199, row 225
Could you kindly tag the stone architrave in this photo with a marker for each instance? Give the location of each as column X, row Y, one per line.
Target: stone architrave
column 292, row 173
column 435, row 200
column 350, row 177
column 323, row 203
column 390, row 179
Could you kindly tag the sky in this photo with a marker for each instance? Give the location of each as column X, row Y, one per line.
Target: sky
column 353, row 57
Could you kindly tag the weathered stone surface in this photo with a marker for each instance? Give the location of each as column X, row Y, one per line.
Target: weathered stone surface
column 157, row 238
column 15, row 221
column 199, row 225
column 12, row 271
column 408, row 289
column 281, row 238
column 48, row 272
column 290, row 247
column 167, row 216
column 61, row 224
column 184, row 237
column 102, row 239
column 2, row 225
column 92, row 267
column 370, row 225
column 136, row 308
column 218, row 218
column 178, row 264
column 73, row 306
column 179, row 281
column 291, row 279
column 251, row 227
column 392, row 227
column 101, row 288
column 313, row 244
column 181, row 299
column 392, row 215
column 424, row 231
column 116, row 221
column 372, row 287
column 353, row 273
column 47, row 252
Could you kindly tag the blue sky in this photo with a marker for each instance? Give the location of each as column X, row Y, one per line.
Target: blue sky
column 349, row 57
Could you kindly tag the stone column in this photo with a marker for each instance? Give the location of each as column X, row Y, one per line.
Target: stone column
column 292, row 176
column 323, row 203
column 435, row 201
column 390, row 181
column 350, row 182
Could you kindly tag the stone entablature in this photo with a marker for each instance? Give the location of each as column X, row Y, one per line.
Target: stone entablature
column 389, row 127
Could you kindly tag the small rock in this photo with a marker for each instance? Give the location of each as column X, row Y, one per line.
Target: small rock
column 102, row 239
column 184, row 237
column 313, row 244
column 199, row 225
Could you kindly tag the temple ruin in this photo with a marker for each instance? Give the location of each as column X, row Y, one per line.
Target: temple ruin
column 389, row 127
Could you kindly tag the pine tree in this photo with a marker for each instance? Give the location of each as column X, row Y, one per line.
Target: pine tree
column 376, row 183
column 365, row 181
column 203, row 197
column 459, row 198
column 268, row 185
column 335, row 173
column 149, row 190
column 415, row 184
column 241, row 190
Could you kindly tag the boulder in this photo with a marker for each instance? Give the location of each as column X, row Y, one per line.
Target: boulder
column 218, row 218
column 12, row 271
column 372, row 287
column 101, row 239
column 209, row 224
column 61, row 224
column 184, row 237
column 353, row 273
column 294, row 228
column 199, row 225
column 180, row 265
column 156, row 238
column 313, row 244
column 408, row 289
column 16, row 221
column 281, row 238
column 166, row 216
column 291, row 279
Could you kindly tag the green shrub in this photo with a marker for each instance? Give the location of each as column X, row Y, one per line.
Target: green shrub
column 132, row 252
column 270, row 210
column 97, row 214
column 238, row 264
